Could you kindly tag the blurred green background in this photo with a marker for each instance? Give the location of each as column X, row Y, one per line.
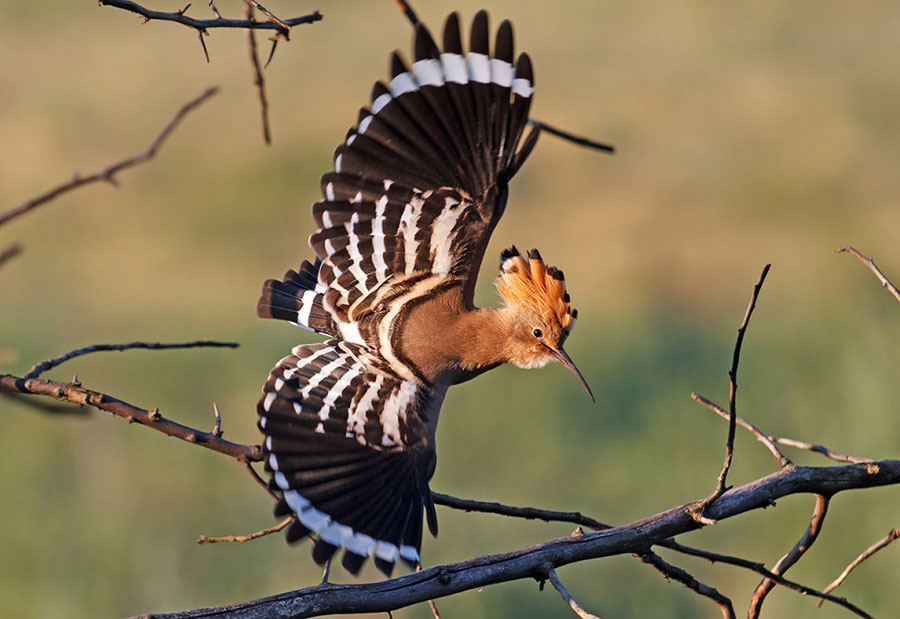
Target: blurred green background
column 745, row 135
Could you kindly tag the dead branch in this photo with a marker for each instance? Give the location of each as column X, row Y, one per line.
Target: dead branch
column 108, row 174
column 793, row 555
column 868, row 552
column 76, row 394
column 871, row 264
column 240, row 539
column 204, row 24
column 9, row 253
column 697, row 510
column 271, row 16
column 43, row 366
column 557, row 584
column 532, row 562
column 679, row 575
column 818, row 449
column 258, row 79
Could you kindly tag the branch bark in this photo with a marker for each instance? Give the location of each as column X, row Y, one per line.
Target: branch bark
column 532, row 562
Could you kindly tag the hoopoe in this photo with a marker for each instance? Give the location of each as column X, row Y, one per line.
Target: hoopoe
column 417, row 188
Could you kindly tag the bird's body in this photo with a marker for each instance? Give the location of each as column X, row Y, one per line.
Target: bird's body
column 418, row 186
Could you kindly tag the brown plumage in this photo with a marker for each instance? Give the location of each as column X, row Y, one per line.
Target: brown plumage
column 417, row 189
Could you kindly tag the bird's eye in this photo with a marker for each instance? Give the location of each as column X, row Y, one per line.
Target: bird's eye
column 537, row 333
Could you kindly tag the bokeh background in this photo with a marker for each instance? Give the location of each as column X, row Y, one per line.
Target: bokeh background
column 746, row 134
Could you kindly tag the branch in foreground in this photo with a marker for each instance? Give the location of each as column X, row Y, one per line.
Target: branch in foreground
column 533, row 562
column 202, row 24
column 76, row 394
column 43, row 366
column 868, row 552
column 871, row 264
column 258, row 79
column 108, row 174
column 793, row 555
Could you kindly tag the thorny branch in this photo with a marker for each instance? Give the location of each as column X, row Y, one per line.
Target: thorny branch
column 697, row 510
column 868, row 552
column 39, row 368
column 258, row 79
column 108, row 174
column 203, row 24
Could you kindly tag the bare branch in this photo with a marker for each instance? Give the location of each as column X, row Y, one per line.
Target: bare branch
column 679, row 575
column 529, row 513
column 871, row 264
column 43, row 366
column 240, row 539
column 203, row 24
column 76, row 394
column 108, row 174
column 697, row 510
column 793, row 555
column 532, row 562
column 819, row 449
column 768, row 441
column 271, row 16
column 554, row 580
column 868, row 552
column 9, row 253
column 258, row 79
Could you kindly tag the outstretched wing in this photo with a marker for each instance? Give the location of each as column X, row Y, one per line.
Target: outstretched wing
column 419, row 184
column 349, row 448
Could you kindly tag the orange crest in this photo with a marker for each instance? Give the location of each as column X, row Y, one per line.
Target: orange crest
column 531, row 283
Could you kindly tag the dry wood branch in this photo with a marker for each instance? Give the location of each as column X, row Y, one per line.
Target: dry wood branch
column 768, row 441
column 76, row 394
column 108, row 174
column 793, row 555
column 871, row 264
column 258, row 79
column 679, row 575
column 576, row 608
column 868, row 552
column 697, row 510
column 203, row 24
column 9, row 253
column 819, row 449
column 271, row 16
column 43, row 366
column 532, row 562
column 240, row 539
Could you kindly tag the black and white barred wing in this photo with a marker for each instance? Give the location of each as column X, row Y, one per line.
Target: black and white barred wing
column 346, row 444
column 419, row 183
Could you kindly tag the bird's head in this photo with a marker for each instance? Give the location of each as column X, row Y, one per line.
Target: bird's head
column 538, row 303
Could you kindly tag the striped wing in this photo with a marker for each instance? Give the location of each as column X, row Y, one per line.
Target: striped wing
column 418, row 185
column 347, row 445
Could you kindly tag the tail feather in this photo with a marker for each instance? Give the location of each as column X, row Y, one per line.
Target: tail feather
column 296, row 300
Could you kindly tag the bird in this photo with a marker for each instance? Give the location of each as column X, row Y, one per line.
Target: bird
column 418, row 186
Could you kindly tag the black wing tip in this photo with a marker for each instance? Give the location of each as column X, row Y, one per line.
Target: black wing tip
column 398, row 65
column 452, row 38
column 503, row 48
column 478, row 41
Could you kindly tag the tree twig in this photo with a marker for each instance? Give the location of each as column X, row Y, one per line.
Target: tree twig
column 679, row 575
column 43, row 366
column 529, row 513
column 532, row 562
column 793, row 555
column 818, row 449
column 697, row 510
column 271, row 16
column 258, row 79
column 768, row 441
column 76, row 394
column 9, row 253
column 203, row 24
column 871, row 264
column 576, row 608
column 868, row 552
column 240, row 539
column 108, row 174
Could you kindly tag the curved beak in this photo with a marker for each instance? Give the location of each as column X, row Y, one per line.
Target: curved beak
column 561, row 356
